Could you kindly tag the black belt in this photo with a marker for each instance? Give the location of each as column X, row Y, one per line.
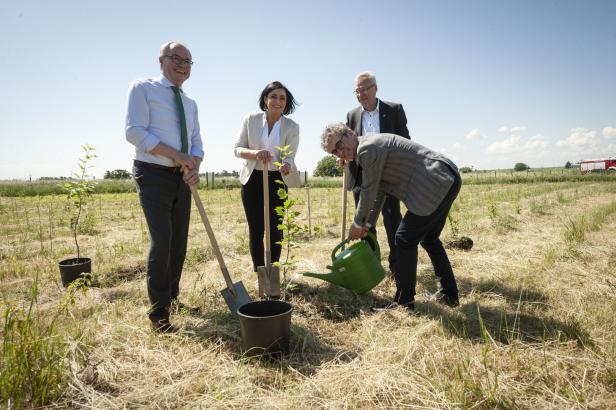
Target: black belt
column 158, row 166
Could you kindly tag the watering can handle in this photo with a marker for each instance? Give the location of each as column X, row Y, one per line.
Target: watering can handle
column 372, row 238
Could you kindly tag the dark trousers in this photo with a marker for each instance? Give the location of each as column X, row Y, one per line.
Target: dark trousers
column 165, row 199
column 391, row 220
column 425, row 230
column 252, row 199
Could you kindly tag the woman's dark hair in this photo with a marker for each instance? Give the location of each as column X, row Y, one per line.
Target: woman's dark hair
column 277, row 85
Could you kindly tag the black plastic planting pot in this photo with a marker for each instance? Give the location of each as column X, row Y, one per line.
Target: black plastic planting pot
column 73, row 268
column 265, row 327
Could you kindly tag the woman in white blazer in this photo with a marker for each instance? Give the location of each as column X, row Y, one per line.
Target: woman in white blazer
column 260, row 134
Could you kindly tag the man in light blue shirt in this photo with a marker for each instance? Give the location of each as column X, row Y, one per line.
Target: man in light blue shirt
column 163, row 125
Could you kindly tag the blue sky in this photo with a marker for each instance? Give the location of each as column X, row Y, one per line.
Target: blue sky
column 488, row 83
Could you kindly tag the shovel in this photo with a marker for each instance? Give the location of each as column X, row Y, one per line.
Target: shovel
column 268, row 276
column 235, row 294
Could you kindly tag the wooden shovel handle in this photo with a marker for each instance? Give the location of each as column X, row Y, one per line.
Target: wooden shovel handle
column 210, row 234
column 266, row 216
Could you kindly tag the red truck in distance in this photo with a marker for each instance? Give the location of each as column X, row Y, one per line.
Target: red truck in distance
column 598, row 165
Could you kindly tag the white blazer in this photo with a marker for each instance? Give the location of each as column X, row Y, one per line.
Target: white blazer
column 250, row 139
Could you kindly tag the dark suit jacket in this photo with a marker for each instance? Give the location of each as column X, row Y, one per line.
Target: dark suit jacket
column 392, row 120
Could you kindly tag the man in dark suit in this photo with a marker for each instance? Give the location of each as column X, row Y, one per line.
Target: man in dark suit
column 375, row 116
column 426, row 181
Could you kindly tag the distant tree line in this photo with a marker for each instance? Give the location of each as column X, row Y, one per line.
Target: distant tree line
column 225, row 173
column 52, row 178
column 117, row 174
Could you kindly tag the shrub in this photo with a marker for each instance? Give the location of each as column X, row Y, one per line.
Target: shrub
column 327, row 167
column 520, row 166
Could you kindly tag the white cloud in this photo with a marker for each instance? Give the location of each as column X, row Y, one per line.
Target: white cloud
column 517, row 144
column 579, row 138
column 516, row 128
column 457, row 145
column 473, row 134
column 609, row 132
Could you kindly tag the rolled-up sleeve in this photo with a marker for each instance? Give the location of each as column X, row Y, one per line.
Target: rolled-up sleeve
column 138, row 119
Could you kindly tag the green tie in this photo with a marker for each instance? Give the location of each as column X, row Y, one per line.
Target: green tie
column 183, row 132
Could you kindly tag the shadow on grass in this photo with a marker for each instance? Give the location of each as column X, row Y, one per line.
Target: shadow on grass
column 508, row 324
column 334, row 303
column 117, row 276
column 489, row 288
column 306, row 351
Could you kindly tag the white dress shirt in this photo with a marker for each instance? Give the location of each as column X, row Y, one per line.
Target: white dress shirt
column 269, row 141
column 152, row 117
column 370, row 123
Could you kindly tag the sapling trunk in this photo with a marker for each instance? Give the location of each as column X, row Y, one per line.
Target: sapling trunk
column 76, row 224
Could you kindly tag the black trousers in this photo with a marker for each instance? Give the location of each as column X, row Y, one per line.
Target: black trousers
column 252, row 199
column 391, row 220
column 425, row 230
column 165, row 199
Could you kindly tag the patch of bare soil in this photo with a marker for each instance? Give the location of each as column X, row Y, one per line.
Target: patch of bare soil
column 463, row 242
column 121, row 275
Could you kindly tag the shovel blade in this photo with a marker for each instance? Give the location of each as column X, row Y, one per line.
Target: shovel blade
column 241, row 297
column 269, row 281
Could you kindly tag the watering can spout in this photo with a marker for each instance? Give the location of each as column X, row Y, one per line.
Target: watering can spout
column 333, row 277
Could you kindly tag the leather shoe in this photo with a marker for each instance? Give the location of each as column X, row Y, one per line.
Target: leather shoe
column 444, row 299
column 410, row 306
column 163, row 326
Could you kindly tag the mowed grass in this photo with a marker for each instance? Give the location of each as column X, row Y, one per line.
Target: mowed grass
column 535, row 328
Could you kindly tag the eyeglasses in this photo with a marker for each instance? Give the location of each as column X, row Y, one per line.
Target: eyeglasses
column 360, row 89
column 338, row 147
column 179, row 60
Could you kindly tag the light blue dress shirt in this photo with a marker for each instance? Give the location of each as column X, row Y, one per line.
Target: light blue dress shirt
column 152, row 117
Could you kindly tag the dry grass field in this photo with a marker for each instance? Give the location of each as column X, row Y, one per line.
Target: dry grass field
column 536, row 327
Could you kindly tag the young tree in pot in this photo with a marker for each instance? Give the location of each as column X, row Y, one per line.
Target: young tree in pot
column 78, row 191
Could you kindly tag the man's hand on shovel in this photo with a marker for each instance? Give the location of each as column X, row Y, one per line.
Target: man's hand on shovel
column 191, row 174
column 191, row 177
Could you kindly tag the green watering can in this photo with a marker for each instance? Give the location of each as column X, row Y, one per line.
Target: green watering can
column 357, row 268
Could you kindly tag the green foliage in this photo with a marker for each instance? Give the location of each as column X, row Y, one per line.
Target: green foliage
column 327, row 167
column 79, row 190
column 492, row 210
column 197, row 254
column 117, row 174
column 33, row 355
column 520, row 166
column 454, row 224
column 289, row 226
column 568, row 164
column 575, row 230
column 466, row 170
